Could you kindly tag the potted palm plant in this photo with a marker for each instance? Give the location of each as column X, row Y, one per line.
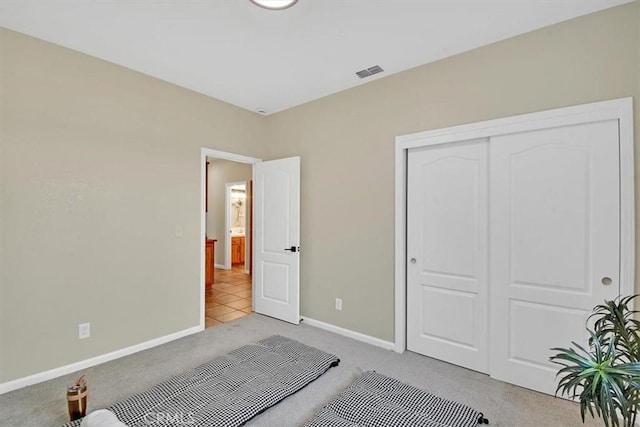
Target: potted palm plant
column 606, row 376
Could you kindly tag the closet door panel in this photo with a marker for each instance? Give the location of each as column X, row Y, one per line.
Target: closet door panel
column 554, row 239
column 447, row 253
column 549, row 203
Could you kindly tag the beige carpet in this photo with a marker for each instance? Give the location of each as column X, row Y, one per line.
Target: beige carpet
column 44, row 404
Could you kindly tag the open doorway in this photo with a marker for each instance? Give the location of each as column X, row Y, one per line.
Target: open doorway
column 227, row 225
column 238, row 224
column 275, row 255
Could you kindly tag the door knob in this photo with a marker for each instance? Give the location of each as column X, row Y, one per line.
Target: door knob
column 606, row 281
column 413, row 260
column 292, row 249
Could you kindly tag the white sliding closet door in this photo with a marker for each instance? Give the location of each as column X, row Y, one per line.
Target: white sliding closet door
column 447, row 253
column 554, row 243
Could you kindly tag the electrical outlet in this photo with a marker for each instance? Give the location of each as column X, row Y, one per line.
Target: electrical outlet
column 84, row 330
column 339, row 304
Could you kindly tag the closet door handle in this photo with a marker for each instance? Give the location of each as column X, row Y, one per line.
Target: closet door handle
column 606, row 281
column 292, row 249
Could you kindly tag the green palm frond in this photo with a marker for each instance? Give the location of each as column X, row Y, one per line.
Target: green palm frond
column 605, row 377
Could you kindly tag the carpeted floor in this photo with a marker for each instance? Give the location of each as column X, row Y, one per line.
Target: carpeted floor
column 44, row 404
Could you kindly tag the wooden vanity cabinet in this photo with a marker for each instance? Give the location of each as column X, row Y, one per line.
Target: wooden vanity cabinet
column 209, row 261
column 237, row 250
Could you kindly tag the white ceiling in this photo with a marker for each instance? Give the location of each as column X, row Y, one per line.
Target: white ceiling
column 273, row 60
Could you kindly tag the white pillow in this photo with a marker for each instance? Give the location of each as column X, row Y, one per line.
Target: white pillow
column 102, row 418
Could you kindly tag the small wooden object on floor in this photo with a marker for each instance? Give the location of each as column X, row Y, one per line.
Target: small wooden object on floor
column 77, row 399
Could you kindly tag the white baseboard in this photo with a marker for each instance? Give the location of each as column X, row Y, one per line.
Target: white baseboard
column 84, row 364
column 387, row 345
column 220, row 266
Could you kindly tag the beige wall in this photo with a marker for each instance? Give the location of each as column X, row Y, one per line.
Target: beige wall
column 346, row 142
column 220, row 173
column 100, row 164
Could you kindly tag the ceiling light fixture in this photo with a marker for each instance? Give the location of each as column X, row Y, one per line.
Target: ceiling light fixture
column 274, row 4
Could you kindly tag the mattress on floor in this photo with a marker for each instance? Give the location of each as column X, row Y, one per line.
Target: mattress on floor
column 375, row 400
column 229, row 390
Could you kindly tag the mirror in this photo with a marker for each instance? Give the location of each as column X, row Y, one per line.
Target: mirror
column 238, row 206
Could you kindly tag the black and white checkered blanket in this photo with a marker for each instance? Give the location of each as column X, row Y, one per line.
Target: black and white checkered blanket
column 374, row 400
column 229, row 390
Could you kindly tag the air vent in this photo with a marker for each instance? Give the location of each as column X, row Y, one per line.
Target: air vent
column 369, row 71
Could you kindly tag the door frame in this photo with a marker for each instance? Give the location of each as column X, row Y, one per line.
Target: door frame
column 224, row 155
column 620, row 109
column 227, row 221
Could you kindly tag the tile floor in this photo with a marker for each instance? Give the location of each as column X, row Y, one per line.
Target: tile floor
column 229, row 298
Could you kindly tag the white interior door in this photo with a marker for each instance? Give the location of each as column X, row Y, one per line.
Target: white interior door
column 277, row 239
column 555, row 218
column 447, row 252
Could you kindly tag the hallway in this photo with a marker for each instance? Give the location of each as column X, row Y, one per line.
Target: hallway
column 229, row 297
